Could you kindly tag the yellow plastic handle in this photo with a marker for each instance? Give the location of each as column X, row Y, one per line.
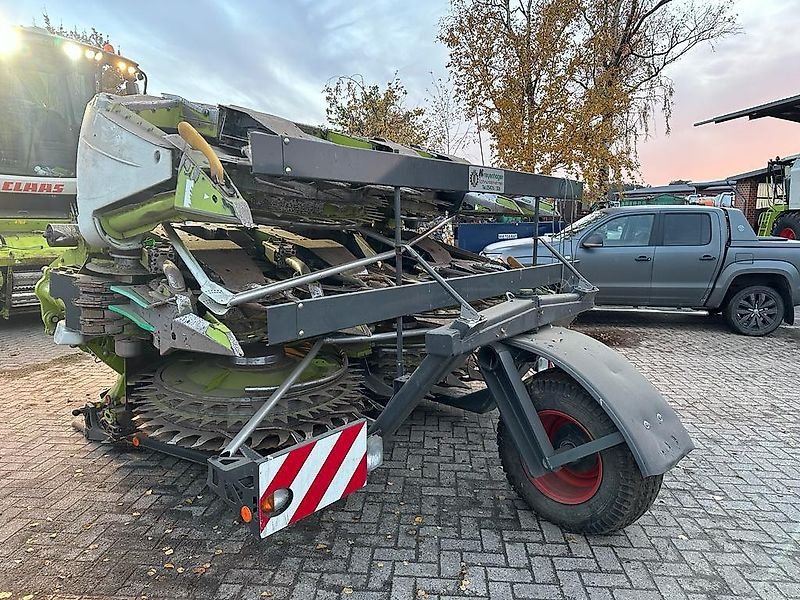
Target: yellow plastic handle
column 192, row 137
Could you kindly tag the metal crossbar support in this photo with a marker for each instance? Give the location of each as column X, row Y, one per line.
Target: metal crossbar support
column 398, row 276
column 587, row 285
column 219, row 300
column 317, row 160
column 449, row 346
column 516, row 407
column 559, row 459
column 322, row 316
column 251, row 425
column 467, row 312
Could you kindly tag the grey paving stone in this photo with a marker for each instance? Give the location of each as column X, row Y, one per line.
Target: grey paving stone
column 726, row 525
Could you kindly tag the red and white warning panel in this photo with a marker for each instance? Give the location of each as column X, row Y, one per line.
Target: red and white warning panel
column 305, row 478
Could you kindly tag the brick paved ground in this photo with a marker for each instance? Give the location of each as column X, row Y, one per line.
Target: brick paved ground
column 95, row 521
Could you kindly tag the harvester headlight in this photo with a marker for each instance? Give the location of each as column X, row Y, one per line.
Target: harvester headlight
column 122, row 66
column 73, row 51
column 98, row 56
column 9, row 39
column 89, row 53
column 131, row 70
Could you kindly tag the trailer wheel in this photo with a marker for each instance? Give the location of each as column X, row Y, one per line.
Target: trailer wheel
column 787, row 225
column 598, row 494
column 755, row 310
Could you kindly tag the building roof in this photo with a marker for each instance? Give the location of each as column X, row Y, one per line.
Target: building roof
column 681, row 189
column 762, row 171
column 787, row 109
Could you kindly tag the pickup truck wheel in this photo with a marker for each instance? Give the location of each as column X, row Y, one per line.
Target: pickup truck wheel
column 598, row 494
column 755, row 310
column 787, row 225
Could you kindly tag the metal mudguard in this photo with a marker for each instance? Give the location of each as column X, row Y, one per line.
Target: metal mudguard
column 651, row 428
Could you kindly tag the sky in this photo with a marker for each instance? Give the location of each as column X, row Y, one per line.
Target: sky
column 276, row 56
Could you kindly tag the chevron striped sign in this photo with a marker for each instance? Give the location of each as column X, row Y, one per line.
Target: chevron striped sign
column 317, row 473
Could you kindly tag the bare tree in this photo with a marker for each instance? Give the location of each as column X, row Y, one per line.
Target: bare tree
column 450, row 132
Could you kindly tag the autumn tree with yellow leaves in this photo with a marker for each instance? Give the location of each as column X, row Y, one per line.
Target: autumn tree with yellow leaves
column 573, row 85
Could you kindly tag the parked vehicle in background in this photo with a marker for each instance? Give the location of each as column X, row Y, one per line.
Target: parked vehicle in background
column 782, row 218
column 45, row 83
column 681, row 257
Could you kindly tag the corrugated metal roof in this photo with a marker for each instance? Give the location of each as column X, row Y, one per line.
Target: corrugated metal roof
column 787, row 109
column 761, row 171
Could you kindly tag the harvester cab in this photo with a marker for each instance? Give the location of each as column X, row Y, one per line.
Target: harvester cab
column 45, row 83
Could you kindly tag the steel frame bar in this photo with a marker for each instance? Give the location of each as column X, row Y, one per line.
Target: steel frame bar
column 450, row 345
column 249, row 427
column 516, row 407
column 559, row 459
column 398, row 277
column 321, row 316
column 317, row 160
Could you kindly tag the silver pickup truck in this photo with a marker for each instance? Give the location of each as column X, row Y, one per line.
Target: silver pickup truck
column 678, row 256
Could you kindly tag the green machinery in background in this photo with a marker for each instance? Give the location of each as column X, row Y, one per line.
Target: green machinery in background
column 782, row 217
column 45, row 83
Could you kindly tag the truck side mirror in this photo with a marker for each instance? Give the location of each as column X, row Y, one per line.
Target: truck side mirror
column 594, row 240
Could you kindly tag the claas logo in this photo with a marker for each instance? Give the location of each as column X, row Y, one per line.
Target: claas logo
column 33, row 187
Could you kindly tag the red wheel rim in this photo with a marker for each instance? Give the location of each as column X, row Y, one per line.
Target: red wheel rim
column 576, row 482
column 788, row 233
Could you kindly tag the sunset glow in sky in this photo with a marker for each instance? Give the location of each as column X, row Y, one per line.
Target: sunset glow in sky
column 277, row 56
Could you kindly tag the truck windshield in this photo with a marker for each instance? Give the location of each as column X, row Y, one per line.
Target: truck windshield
column 579, row 225
column 41, row 107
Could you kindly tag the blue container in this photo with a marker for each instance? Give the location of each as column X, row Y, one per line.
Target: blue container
column 474, row 237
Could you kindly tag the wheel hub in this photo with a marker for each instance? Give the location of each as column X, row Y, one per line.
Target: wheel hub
column 578, row 481
column 756, row 311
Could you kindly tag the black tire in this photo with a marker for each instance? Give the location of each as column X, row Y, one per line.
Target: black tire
column 755, row 310
column 623, row 494
column 787, row 225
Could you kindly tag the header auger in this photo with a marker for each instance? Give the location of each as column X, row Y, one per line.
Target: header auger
column 275, row 302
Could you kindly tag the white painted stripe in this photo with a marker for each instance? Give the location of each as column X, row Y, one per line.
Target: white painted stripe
column 304, row 480
column 267, row 471
column 348, row 467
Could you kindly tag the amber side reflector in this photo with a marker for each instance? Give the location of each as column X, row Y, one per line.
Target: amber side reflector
column 268, row 503
column 135, row 441
column 514, row 263
column 246, row 514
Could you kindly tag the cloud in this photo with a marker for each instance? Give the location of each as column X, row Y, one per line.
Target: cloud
column 272, row 56
column 741, row 71
column 276, row 56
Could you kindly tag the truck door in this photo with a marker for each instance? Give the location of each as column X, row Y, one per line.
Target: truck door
column 688, row 254
column 620, row 259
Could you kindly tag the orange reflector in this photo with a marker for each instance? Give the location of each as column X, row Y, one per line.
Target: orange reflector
column 246, row 514
column 514, row 263
column 268, row 503
column 135, row 441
